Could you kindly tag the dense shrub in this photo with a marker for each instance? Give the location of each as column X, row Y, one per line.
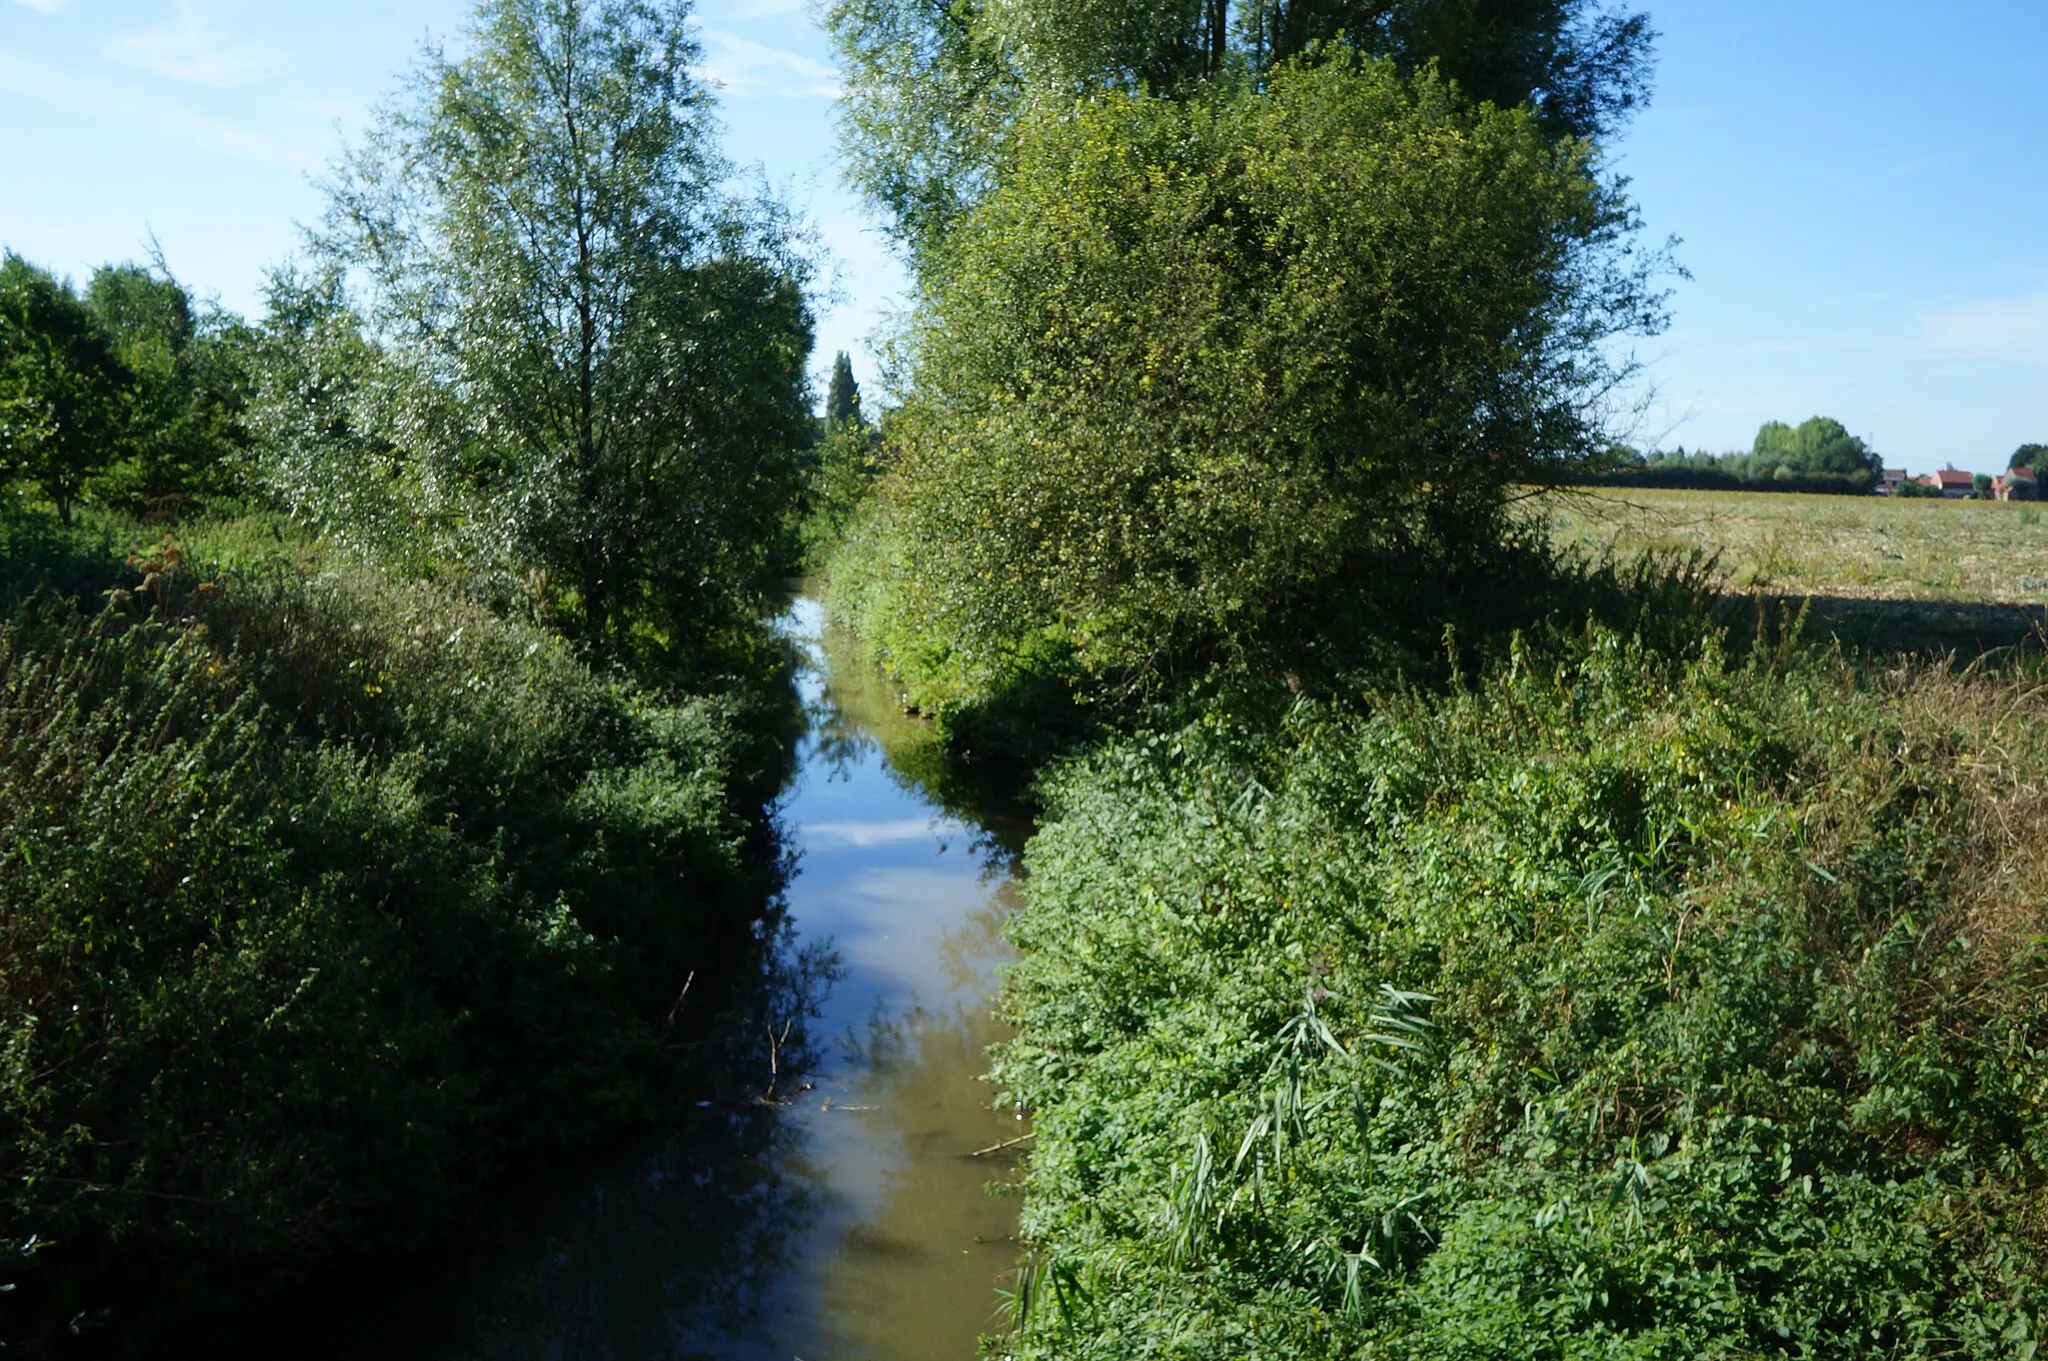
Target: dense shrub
column 1387, row 311
column 327, row 897
column 1618, row 1006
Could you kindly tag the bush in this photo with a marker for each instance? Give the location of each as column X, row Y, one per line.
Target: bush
column 1386, row 312
column 328, row 897
column 1614, row 1006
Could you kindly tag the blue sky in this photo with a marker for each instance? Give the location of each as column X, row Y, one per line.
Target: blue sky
column 1861, row 189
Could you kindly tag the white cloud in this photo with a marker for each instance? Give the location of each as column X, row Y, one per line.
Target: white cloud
column 120, row 104
column 46, row 6
column 2010, row 329
column 744, row 66
column 757, row 9
column 192, row 48
column 867, row 835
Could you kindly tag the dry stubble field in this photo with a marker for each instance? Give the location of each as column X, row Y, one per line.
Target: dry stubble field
column 1907, row 573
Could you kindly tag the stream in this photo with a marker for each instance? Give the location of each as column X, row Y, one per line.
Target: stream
column 835, row 1203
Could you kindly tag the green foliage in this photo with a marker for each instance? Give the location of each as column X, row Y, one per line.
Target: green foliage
column 181, row 432
column 940, row 92
column 62, row 385
column 588, row 355
column 842, row 397
column 1384, row 315
column 328, row 897
column 1818, row 455
column 1616, row 1006
column 321, row 417
column 2033, row 456
column 1819, row 444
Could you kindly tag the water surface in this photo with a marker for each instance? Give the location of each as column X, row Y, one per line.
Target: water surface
column 833, row 1201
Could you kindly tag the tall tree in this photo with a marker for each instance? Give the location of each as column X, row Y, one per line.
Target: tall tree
column 62, row 387
column 935, row 87
column 183, row 429
column 1819, row 445
column 606, row 348
column 842, row 397
column 1204, row 376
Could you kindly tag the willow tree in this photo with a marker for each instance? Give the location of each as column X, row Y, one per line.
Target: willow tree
column 1198, row 379
column 604, row 347
column 935, row 89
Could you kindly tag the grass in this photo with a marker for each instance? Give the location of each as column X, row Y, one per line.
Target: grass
column 1617, row 1005
column 1853, row 547
column 328, row 896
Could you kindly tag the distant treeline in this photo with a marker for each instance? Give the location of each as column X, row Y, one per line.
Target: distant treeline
column 1817, row 455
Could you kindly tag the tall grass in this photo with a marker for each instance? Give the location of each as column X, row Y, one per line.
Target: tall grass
column 1718, row 980
column 328, row 896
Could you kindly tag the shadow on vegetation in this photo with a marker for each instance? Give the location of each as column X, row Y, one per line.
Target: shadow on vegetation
column 651, row 1250
column 1966, row 629
column 354, row 906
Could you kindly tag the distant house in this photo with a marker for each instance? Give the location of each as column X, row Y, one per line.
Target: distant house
column 1951, row 483
column 1894, row 478
column 2016, row 484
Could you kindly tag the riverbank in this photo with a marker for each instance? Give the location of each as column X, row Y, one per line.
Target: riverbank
column 332, row 896
column 1620, row 1005
column 1669, row 990
column 829, row 1195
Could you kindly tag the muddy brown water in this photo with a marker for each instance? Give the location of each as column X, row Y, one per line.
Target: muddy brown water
column 846, row 1208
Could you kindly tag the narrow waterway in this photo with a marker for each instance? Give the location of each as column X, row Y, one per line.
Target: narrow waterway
column 833, row 1202
column 897, row 1134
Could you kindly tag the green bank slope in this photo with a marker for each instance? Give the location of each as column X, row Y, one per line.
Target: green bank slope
column 1618, row 1006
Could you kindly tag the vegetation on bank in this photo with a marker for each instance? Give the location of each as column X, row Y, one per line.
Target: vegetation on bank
column 1622, row 1004
column 329, row 896
column 389, row 733
column 1442, row 940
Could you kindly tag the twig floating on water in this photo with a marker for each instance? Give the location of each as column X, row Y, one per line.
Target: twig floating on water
column 1007, row 1143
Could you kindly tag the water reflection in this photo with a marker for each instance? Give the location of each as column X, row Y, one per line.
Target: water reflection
column 832, row 1201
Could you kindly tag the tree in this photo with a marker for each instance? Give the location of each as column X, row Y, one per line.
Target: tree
column 182, row 430
column 601, row 347
column 935, row 89
column 321, row 418
column 61, row 384
column 1197, row 377
column 1819, row 445
column 842, row 398
column 2031, row 456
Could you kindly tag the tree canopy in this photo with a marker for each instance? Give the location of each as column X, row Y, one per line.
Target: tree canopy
column 842, row 397
column 182, row 432
column 582, row 331
column 1819, row 444
column 62, row 384
column 1197, row 372
column 935, row 89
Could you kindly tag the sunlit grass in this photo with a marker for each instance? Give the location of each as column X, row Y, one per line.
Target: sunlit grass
column 1869, row 547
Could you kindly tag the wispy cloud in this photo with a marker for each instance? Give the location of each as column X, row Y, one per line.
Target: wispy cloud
column 2011, row 329
column 119, row 103
column 867, row 835
column 754, row 9
column 192, row 47
column 46, row 6
column 744, row 67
